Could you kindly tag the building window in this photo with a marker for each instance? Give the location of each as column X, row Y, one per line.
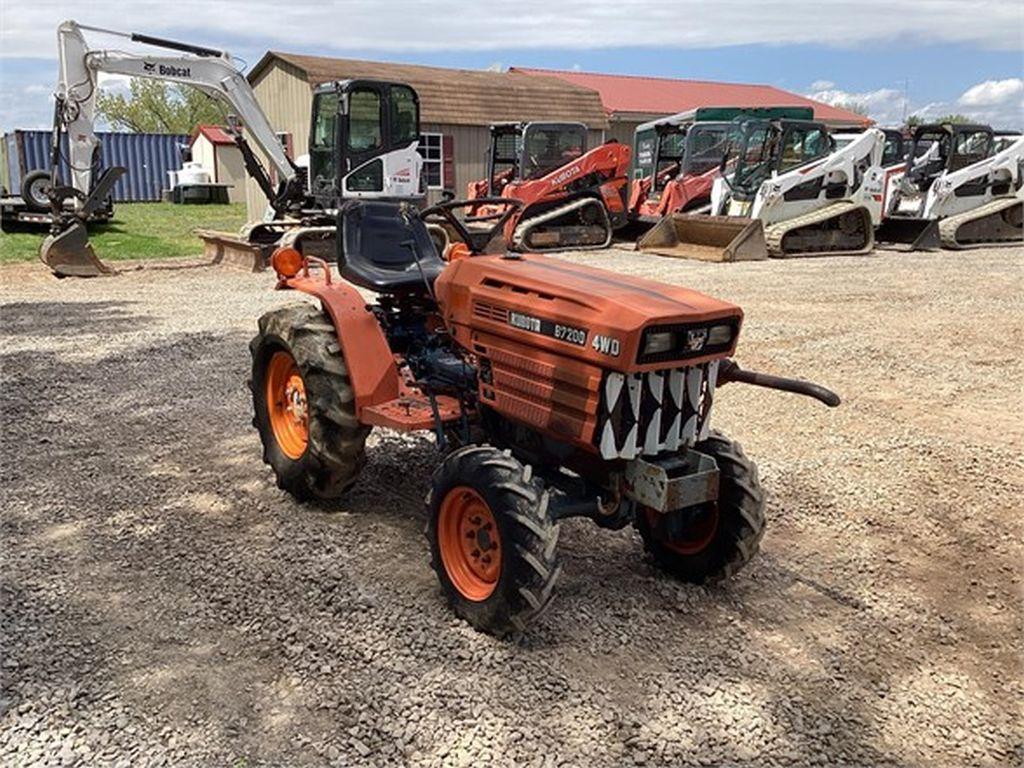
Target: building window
column 431, row 147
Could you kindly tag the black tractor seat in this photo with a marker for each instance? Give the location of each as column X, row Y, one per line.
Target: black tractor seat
column 377, row 245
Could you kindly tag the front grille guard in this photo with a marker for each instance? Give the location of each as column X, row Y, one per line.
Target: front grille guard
column 647, row 413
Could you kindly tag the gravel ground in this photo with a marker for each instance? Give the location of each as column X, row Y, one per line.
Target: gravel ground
column 164, row 604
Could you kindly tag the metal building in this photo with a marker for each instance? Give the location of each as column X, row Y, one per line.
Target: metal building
column 148, row 157
column 456, row 109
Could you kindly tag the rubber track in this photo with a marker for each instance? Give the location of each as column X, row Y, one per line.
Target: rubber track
column 519, row 235
column 774, row 233
column 948, row 226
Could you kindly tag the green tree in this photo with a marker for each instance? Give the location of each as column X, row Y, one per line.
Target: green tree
column 152, row 106
column 915, row 120
column 857, row 107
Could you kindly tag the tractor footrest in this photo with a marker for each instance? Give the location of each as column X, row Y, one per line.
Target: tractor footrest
column 411, row 413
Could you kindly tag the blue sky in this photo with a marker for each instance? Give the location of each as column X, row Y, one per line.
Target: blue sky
column 958, row 56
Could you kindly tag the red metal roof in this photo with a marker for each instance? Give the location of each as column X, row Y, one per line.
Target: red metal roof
column 662, row 95
column 213, row 133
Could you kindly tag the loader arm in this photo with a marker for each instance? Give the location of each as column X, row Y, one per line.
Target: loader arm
column 997, row 176
column 211, row 71
column 853, row 171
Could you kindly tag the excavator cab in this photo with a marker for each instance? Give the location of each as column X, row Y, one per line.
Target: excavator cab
column 363, row 142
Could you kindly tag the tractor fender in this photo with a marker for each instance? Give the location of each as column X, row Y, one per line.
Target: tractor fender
column 371, row 364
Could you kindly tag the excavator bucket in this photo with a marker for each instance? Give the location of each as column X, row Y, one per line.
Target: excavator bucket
column 707, row 238
column 69, row 254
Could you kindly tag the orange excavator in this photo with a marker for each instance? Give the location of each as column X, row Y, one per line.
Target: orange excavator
column 572, row 198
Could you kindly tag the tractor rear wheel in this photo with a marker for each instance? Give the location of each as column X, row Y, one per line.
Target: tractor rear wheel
column 304, row 406
column 492, row 539
column 721, row 537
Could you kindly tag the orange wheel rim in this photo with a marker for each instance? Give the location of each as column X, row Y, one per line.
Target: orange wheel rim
column 286, row 404
column 470, row 543
column 696, row 537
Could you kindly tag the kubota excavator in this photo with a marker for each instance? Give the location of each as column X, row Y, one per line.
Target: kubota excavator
column 572, row 198
column 380, row 160
column 789, row 193
column 955, row 190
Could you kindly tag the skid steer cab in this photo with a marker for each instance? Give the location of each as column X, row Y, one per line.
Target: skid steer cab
column 573, row 197
column 553, row 390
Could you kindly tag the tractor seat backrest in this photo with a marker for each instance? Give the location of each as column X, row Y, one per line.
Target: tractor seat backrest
column 377, row 247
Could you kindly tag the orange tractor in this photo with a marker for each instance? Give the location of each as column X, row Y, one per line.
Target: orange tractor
column 572, row 198
column 553, row 390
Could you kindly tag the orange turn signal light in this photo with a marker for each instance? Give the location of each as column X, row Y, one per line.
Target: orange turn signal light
column 287, row 262
column 458, row 250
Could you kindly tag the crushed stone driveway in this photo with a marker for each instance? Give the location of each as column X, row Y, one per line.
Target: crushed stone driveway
column 163, row 603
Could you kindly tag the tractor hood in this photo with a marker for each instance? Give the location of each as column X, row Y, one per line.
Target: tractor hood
column 585, row 313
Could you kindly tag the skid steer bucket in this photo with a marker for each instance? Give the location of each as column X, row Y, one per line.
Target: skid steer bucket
column 707, row 238
column 909, row 234
column 69, row 254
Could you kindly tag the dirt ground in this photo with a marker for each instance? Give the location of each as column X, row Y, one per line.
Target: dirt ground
column 163, row 603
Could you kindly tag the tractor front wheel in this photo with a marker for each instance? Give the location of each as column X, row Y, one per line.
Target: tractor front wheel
column 718, row 538
column 304, row 407
column 492, row 539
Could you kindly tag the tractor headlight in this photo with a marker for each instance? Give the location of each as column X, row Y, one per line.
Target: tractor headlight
column 719, row 334
column 658, row 342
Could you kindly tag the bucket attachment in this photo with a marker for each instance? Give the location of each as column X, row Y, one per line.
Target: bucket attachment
column 707, row 238
column 909, row 234
column 69, row 254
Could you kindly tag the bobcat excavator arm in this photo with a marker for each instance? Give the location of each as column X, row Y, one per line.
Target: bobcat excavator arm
column 213, row 72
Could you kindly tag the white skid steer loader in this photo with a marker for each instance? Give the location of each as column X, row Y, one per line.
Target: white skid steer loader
column 791, row 193
column 954, row 192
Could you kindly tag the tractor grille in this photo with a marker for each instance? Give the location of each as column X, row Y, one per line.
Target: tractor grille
column 646, row 413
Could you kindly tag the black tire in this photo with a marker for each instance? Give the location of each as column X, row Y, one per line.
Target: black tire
column 334, row 453
column 740, row 520
column 34, row 187
column 528, row 538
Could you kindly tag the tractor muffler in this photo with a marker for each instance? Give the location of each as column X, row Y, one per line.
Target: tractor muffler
column 69, row 254
column 707, row 238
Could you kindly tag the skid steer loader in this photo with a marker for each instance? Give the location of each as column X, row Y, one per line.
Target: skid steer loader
column 675, row 162
column 955, row 190
column 383, row 165
column 784, row 191
column 572, row 198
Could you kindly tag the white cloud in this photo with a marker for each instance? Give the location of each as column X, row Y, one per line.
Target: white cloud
column 884, row 105
column 27, row 29
column 35, row 89
column 992, row 93
column 999, row 103
column 822, row 85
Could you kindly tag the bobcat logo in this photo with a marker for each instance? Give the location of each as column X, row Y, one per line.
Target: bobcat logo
column 148, row 66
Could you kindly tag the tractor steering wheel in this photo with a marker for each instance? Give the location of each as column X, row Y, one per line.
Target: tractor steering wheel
column 443, row 212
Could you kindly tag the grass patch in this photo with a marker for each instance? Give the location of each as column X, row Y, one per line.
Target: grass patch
column 137, row 231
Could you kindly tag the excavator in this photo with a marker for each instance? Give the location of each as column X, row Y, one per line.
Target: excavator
column 956, row 190
column 676, row 159
column 572, row 198
column 788, row 192
column 379, row 157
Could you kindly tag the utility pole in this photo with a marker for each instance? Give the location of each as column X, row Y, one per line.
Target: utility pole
column 906, row 98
